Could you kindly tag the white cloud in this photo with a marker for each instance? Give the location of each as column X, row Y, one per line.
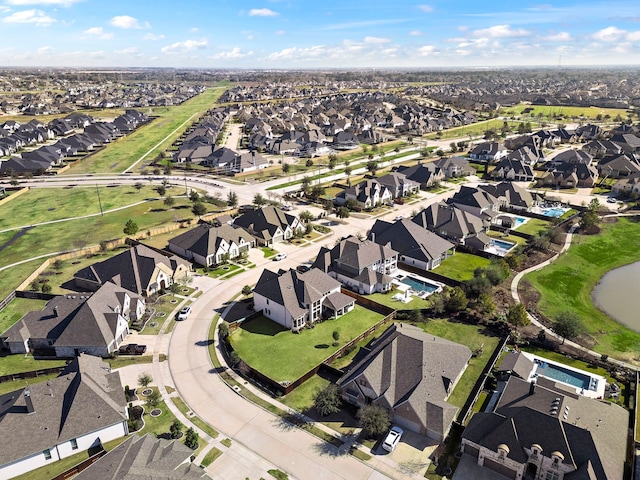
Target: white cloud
column 298, row 53
column 194, row 30
column 153, row 37
column 501, row 31
column 262, row 12
column 559, row 37
column 415, row 33
column 43, row 50
column 186, row 46
column 129, row 51
column 462, row 28
column 98, row 32
column 233, row 53
column 37, row 17
column 615, row 34
column 426, row 50
column 376, row 40
column 125, row 21
column 4, row 9
column 280, row 32
column 63, row 3
column 426, row 8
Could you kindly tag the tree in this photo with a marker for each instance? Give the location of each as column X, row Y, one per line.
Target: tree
column 374, row 420
column 169, row 201
column 306, row 186
column 162, row 190
column 517, row 316
column 342, row 212
column 259, row 200
column 372, row 167
column 328, row 400
column 57, row 264
column 457, row 300
column 347, row 172
column 130, row 228
column 333, row 160
column 138, row 186
column 336, row 337
column 191, row 439
column 176, row 428
column 590, row 217
column 306, row 216
column 568, row 325
column 194, row 197
column 317, row 191
column 199, row 209
column 232, row 199
column 144, row 380
column 153, row 399
column 246, row 290
column 485, row 304
column 46, row 287
column 286, row 168
column 309, row 163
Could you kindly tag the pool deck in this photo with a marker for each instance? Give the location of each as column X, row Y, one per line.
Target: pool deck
column 598, row 382
column 407, row 290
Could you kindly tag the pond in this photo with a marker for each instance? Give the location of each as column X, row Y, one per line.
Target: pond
column 618, row 295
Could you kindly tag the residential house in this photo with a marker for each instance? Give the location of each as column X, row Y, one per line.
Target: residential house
column 627, row 141
column 477, row 201
column 362, row 265
column 147, row 457
column 425, row 174
column 410, row 374
column 602, row 148
column 627, row 186
column 544, row 431
column 488, row 152
column 568, row 175
column 457, row 225
column 141, row 269
column 416, row 246
column 269, row 225
column 398, row 184
column 80, row 409
column 527, row 154
column 368, row 194
column 295, row 300
column 618, row 166
column 207, row 245
column 68, row 325
column 454, row 167
column 516, row 197
column 514, row 170
column 572, row 157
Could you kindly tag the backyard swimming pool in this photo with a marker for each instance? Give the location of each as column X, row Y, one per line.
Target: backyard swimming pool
column 501, row 244
column 564, row 375
column 554, row 212
column 419, row 285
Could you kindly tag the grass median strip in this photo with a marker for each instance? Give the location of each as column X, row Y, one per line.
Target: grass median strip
column 211, row 457
column 197, row 421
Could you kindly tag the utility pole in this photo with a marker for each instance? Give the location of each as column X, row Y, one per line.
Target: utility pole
column 99, row 201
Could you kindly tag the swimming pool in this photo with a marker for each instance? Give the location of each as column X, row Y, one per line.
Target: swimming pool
column 517, row 221
column 564, row 375
column 419, row 285
column 501, row 244
column 554, row 211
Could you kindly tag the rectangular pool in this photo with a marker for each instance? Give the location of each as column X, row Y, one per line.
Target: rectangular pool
column 501, row 244
column 564, row 375
column 419, row 285
column 554, row 212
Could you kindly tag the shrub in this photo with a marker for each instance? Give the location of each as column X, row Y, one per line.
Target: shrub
column 191, row 439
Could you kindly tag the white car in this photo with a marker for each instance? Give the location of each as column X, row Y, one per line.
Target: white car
column 399, row 217
column 393, row 439
column 280, row 256
column 184, row 313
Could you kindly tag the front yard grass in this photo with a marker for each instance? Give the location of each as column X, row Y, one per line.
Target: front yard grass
column 461, row 266
column 472, row 337
column 567, row 284
column 211, row 457
column 268, row 252
column 258, row 340
column 127, row 360
column 302, row 397
column 11, row 364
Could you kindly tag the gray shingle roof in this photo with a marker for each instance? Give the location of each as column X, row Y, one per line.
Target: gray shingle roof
column 85, row 397
column 264, row 222
column 204, row 239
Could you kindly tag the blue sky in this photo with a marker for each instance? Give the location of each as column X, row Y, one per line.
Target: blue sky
column 317, row 34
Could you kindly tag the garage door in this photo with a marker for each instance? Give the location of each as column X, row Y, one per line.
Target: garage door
column 499, row 468
column 406, row 424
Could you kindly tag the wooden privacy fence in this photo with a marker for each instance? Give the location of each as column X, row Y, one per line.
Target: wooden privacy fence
column 31, row 374
column 80, row 467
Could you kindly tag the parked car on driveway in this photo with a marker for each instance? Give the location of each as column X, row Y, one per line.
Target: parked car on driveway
column 132, row 349
column 303, row 268
column 392, row 439
column 184, row 313
column 280, row 256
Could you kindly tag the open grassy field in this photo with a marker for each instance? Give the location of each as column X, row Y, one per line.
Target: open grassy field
column 11, row 277
column 473, row 130
column 258, row 340
column 155, row 137
column 566, row 111
column 79, row 233
column 461, row 266
column 472, row 337
column 16, row 310
column 567, row 284
column 46, row 204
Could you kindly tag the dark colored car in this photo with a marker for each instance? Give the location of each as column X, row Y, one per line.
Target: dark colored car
column 303, row 268
column 132, row 349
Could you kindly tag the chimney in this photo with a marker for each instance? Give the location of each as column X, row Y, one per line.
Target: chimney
column 373, row 237
column 28, row 401
column 532, row 387
column 55, row 312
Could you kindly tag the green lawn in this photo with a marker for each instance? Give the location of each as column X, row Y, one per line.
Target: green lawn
column 14, row 385
column 387, row 299
column 17, row 309
column 210, row 457
column 302, row 397
column 567, row 284
column 10, row 364
column 534, row 225
column 259, row 340
column 61, row 203
column 471, row 130
column 472, row 337
column 197, row 421
column 11, row 277
column 565, row 111
column 156, row 136
column 461, row 266
column 509, row 238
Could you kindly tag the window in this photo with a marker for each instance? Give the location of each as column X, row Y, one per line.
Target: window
column 552, row 476
column 47, row 454
column 74, row 444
